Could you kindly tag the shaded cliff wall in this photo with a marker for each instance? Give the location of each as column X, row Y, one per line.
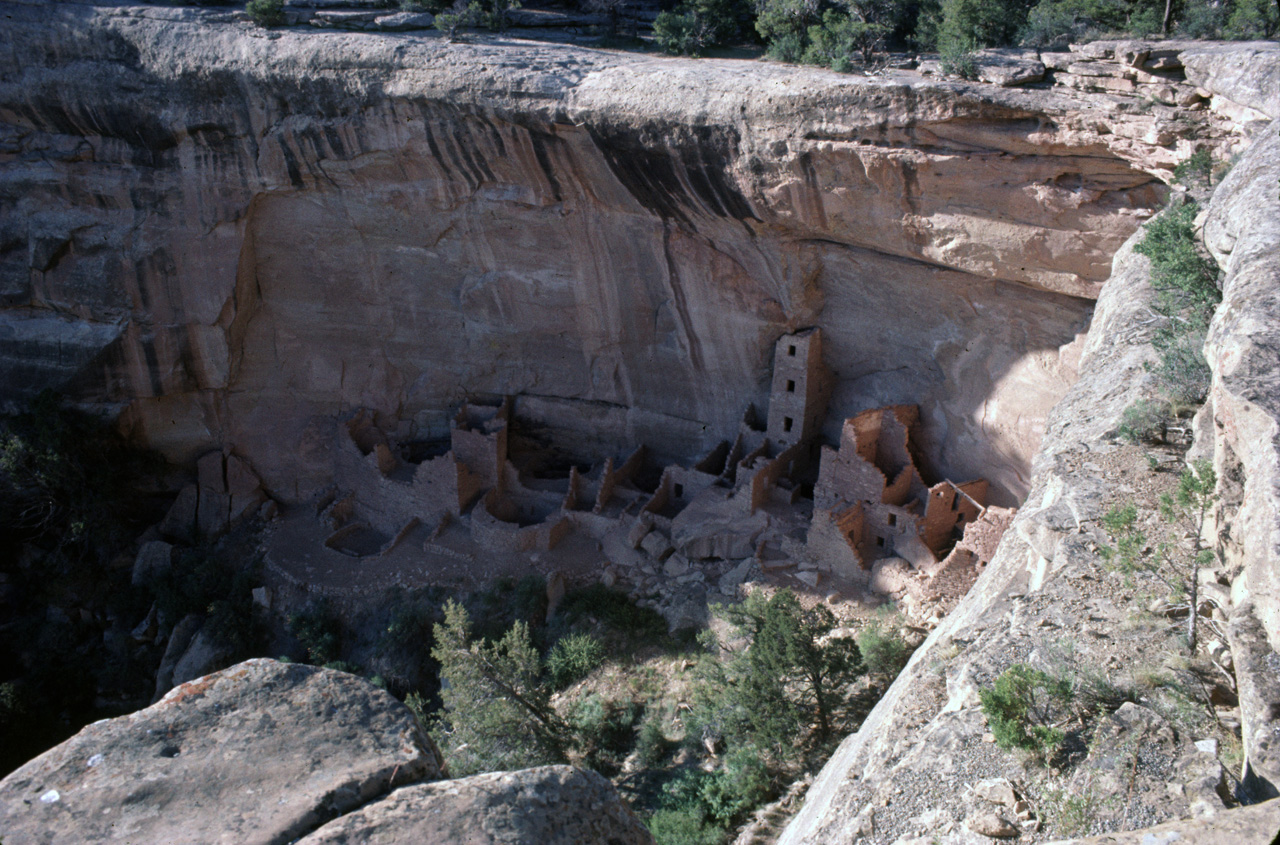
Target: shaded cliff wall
column 232, row 236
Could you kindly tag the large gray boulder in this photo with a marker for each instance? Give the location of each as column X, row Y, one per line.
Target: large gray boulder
column 263, row 752
column 551, row 805
column 1259, row 823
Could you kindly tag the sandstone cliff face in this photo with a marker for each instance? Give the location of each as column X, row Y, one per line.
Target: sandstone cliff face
column 911, row 768
column 233, row 236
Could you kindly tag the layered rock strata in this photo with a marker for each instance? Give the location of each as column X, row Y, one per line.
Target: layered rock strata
column 908, row 770
column 234, row 236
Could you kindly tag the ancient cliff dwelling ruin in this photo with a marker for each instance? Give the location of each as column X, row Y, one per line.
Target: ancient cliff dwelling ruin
column 857, row 516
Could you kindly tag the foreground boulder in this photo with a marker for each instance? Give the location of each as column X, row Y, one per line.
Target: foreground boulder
column 263, row 752
column 268, row 752
column 551, row 805
column 1259, row 823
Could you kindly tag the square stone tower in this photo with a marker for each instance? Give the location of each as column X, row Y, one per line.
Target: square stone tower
column 801, row 388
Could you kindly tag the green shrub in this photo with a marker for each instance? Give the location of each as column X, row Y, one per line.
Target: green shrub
column 462, row 15
column 73, row 499
column 1145, row 421
column 1054, row 24
column 679, row 33
column 507, row 601
column 840, row 38
column 928, row 20
column 494, row 13
column 1185, row 282
column 614, row 609
column 957, row 59
column 705, row 804
column 604, row 731
column 736, row 788
column 1184, row 278
column 788, row 47
column 695, row 25
column 1020, row 707
column 684, row 826
column 573, row 658
column 1202, row 19
column 970, row 24
column 402, row 654
column 433, row 6
column 1253, row 19
column 652, row 744
column 1070, row 813
column 1196, row 169
column 266, row 12
column 884, row 651
column 1168, row 562
column 319, row 630
column 69, row 484
column 497, row 711
column 791, row 675
column 417, row 704
column 778, row 19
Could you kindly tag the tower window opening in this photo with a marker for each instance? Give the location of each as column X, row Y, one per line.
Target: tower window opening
column 786, row 423
column 791, row 350
column 791, row 386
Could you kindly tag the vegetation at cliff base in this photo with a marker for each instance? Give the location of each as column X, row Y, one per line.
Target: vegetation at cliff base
column 735, row 716
column 72, row 498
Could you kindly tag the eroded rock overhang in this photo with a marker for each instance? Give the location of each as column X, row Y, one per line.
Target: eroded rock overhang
column 251, row 233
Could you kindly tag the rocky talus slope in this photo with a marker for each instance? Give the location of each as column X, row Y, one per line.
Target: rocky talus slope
column 232, row 236
column 923, row 767
column 266, row 752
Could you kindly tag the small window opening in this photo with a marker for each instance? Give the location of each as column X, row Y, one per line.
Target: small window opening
column 791, row 386
column 786, row 423
column 955, row 503
column 678, row 491
column 880, row 542
column 959, row 518
column 893, row 519
column 791, row 350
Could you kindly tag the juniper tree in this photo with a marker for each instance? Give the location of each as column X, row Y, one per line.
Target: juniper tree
column 497, row 709
column 1188, row 507
column 791, row 674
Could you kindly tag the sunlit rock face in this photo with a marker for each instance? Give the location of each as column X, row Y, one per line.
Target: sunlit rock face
column 232, row 237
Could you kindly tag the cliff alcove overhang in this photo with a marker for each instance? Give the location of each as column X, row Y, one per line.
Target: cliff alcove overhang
column 236, row 238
